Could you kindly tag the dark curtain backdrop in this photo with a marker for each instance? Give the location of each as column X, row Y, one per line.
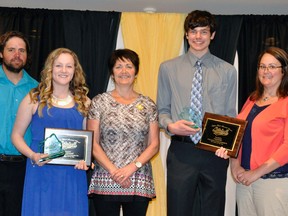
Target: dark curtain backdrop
column 257, row 33
column 91, row 35
column 225, row 41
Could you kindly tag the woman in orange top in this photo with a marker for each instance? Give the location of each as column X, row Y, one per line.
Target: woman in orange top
column 261, row 169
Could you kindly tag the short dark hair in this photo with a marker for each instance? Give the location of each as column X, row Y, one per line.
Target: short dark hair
column 7, row 36
column 124, row 54
column 198, row 18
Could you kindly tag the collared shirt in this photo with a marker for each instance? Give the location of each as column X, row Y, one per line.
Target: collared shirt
column 11, row 96
column 175, row 84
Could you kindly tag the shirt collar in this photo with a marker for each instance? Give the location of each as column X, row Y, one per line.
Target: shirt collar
column 205, row 59
column 2, row 74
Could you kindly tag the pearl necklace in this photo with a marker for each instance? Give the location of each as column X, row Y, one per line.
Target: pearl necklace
column 61, row 101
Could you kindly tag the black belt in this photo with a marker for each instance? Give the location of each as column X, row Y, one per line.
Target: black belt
column 186, row 139
column 12, row 158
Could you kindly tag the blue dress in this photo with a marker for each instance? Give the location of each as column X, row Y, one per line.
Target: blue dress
column 54, row 190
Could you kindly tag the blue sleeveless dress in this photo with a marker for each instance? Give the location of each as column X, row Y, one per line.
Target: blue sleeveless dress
column 54, row 190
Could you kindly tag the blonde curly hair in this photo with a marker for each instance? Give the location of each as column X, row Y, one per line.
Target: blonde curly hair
column 77, row 86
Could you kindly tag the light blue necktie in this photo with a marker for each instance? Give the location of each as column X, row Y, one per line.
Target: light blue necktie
column 196, row 98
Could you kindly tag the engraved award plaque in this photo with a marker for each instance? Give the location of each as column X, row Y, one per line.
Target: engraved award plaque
column 77, row 145
column 222, row 131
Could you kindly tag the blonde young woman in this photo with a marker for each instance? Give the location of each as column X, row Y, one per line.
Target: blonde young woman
column 59, row 101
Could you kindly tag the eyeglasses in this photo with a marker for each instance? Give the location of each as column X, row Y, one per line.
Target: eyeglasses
column 269, row 67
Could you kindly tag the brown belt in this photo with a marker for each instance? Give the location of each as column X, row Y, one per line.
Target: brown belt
column 12, row 158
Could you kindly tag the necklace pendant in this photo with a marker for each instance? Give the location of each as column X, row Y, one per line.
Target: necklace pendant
column 62, row 102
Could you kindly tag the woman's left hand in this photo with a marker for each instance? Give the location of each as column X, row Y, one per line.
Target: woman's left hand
column 122, row 175
column 248, row 177
column 81, row 165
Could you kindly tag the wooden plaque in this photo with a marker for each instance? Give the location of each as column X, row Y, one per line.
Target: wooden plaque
column 222, row 131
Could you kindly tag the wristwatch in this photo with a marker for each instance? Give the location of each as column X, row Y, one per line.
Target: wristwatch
column 138, row 164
